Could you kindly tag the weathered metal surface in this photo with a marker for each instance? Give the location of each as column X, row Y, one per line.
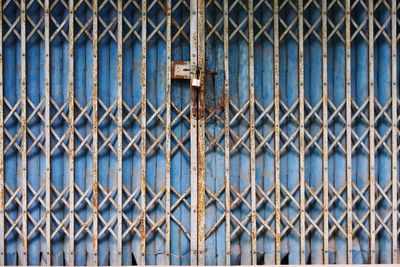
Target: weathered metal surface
column 394, row 96
column 198, row 132
column 168, row 133
column 180, row 70
column 47, row 130
column 94, row 257
column 119, row 130
column 201, row 133
column 349, row 191
column 301, row 96
column 325, row 131
column 371, row 112
column 193, row 9
column 227, row 146
column 71, row 135
column 277, row 134
column 2, row 178
column 143, row 136
column 24, row 178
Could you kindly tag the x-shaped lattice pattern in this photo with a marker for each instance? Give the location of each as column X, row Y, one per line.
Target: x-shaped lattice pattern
column 238, row 125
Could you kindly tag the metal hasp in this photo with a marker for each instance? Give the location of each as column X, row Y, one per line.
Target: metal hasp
column 181, row 70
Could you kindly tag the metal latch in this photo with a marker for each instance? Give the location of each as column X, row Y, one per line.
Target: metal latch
column 181, row 71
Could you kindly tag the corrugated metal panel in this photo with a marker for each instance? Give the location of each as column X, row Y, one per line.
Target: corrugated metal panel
column 301, row 110
column 96, row 136
column 285, row 153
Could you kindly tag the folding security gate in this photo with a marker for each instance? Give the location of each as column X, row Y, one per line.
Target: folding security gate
column 198, row 132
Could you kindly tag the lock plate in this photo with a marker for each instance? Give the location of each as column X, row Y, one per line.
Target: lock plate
column 180, row 70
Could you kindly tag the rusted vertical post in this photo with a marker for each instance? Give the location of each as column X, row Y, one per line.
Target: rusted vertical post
column 71, row 125
column 371, row 127
column 2, row 178
column 47, row 128
column 277, row 149
column 394, row 129
column 201, row 131
column 168, row 139
column 348, row 135
column 301, row 131
column 143, row 128
column 119, row 131
column 23, row 138
column 193, row 134
column 227, row 138
column 95, row 133
column 325, row 145
column 252, row 137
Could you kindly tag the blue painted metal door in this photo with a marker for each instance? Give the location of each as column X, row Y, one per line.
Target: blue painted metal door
column 301, row 132
column 96, row 141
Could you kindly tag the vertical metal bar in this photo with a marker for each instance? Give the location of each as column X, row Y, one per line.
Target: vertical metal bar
column 95, row 131
column 371, row 126
column 227, row 138
column 325, row 145
column 23, row 138
column 71, row 125
column 193, row 134
column 2, row 178
column 277, row 134
column 143, row 137
column 168, row 139
column 394, row 130
column 201, row 132
column 119, row 131
column 252, row 138
column 301, row 132
column 348, row 136
column 47, row 128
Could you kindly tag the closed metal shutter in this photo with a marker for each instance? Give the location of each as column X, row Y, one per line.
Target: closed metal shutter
column 207, row 132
